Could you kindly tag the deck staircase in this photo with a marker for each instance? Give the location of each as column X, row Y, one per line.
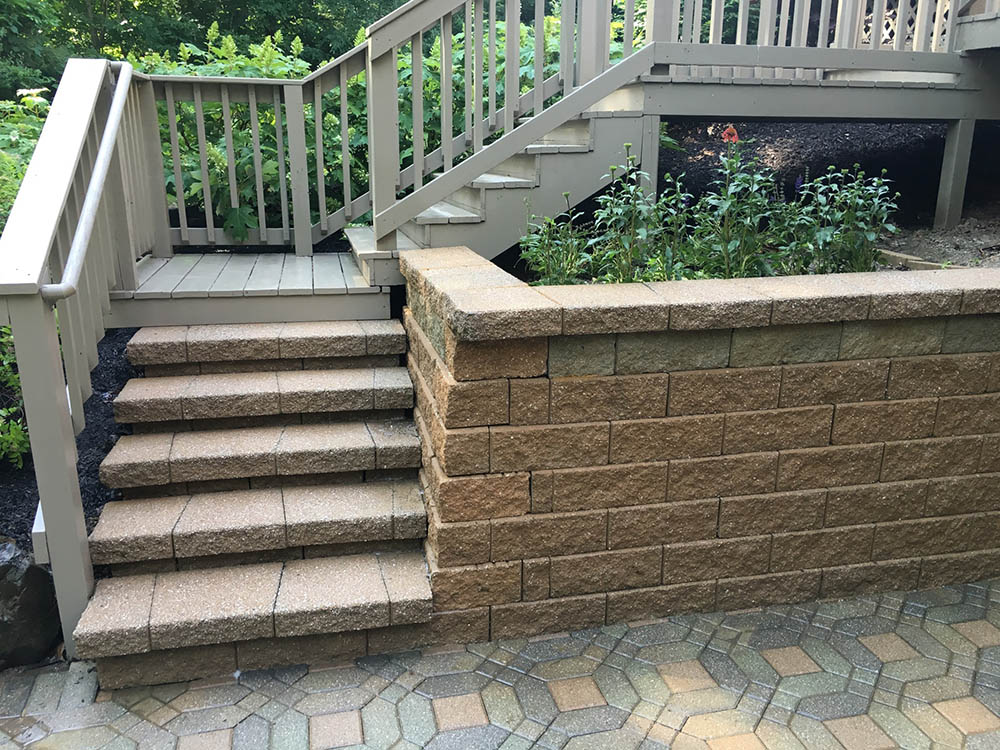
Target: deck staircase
column 270, row 510
column 491, row 212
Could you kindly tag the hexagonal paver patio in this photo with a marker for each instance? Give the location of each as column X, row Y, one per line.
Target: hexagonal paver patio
column 910, row 670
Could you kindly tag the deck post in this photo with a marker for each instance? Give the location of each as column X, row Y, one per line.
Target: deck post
column 298, row 169
column 954, row 173
column 595, row 39
column 660, row 21
column 383, row 139
column 650, row 154
column 53, row 451
column 149, row 121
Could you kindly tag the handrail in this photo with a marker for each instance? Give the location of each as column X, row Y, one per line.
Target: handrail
column 67, row 286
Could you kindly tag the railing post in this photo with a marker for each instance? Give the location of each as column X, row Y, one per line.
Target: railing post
column 383, row 139
column 298, row 169
column 660, row 21
column 595, row 39
column 53, row 450
column 149, row 123
column 954, row 173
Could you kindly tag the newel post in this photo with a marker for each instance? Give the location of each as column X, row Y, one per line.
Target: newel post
column 53, row 451
column 661, row 20
column 594, row 39
column 149, row 124
column 383, row 137
column 298, row 168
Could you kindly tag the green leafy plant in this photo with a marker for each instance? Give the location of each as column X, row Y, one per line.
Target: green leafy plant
column 20, row 125
column 557, row 247
column 13, row 428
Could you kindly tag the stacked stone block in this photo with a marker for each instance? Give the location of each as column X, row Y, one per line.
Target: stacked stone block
column 611, row 453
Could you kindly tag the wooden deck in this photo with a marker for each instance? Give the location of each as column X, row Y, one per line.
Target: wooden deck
column 245, row 288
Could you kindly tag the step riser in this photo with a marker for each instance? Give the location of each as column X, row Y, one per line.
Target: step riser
column 270, row 365
column 469, row 197
column 522, row 166
column 576, row 132
column 272, row 420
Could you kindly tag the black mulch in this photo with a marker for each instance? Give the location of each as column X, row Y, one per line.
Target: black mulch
column 18, row 491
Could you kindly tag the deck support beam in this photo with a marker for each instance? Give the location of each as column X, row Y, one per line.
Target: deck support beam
column 954, row 173
column 649, row 156
column 53, row 450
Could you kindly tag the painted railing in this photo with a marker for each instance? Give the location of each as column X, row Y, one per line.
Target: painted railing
column 115, row 175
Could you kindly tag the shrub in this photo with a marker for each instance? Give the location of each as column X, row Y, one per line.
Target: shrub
column 13, row 429
column 741, row 227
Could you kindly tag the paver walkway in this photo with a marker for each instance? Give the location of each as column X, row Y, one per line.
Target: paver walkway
column 917, row 670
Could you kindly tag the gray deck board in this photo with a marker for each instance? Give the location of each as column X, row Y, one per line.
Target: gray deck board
column 200, row 278
column 266, row 276
column 234, row 276
column 162, row 283
column 296, row 276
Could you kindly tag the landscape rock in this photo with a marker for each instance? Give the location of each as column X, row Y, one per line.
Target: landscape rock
column 29, row 617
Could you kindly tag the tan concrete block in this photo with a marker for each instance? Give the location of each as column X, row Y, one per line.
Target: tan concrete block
column 130, row 530
column 409, row 512
column 990, row 458
column 668, row 351
column 336, row 514
column 330, row 594
column 340, row 338
column 804, row 427
column 714, row 303
column 200, row 607
column 936, row 457
column 232, row 395
column 969, row 494
column 643, row 525
column 542, row 487
column 383, row 336
column 765, row 514
column 821, row 549
column 213, row 343
column 884, row 501
column 829, row 467
column 834, row 382
column 529, row 401
column 535, row 579
column 823, row 298
column 266, row 653
column 581, row 355
column 764, row 590
column 407, row 583
column 912, row 295
column 605, row 571
column 226, row 522
column 666, row 439
column 460, row 451
column 526, row 619
column 480, row 496
column 138, row 460
column 892, row 338
column 171, row 370
column 325, row 448
column 458, row 543
column 224, row 454
column 486, row 360
column 884, row 420
column 993, row 384
column 943, row 375
column 972, row 333
column 715, row 558
column 327, row 391
column 547, row 534
column 660, row 601
column 748, row 473
column 607, row 486
column 161, row 667
column 609, row 308
column 460, row 626
column 470, row 404
column 501, row 313
column 476, row 585
column 590, row 399
column 870, row 578
column 967, row 415
column 548, row 447
column 944, row 570
column 397, row 445
column 158, row 345
column 711, row 391
column 152, row 399
column 781, row 345
column 116, row 620
column 935, row 536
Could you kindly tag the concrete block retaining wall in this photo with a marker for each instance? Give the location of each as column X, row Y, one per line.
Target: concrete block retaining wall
column 596, row 454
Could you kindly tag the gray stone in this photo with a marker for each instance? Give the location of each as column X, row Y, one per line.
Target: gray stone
column 29, row 617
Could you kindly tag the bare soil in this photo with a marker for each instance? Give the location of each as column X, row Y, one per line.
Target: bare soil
column 974, row 243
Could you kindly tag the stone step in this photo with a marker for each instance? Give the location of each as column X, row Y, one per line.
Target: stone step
column 155, row 459
column 210, row 524
column 171, row 345
column 179, row 609
column 257, row 394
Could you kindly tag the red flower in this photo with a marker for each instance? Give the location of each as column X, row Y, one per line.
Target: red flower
column 729, row 135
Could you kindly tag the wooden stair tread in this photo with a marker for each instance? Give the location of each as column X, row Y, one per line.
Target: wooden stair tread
column 242, row 521
column 154, row 459
column 254, row 394
column 447, row 213
column 178, row 609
